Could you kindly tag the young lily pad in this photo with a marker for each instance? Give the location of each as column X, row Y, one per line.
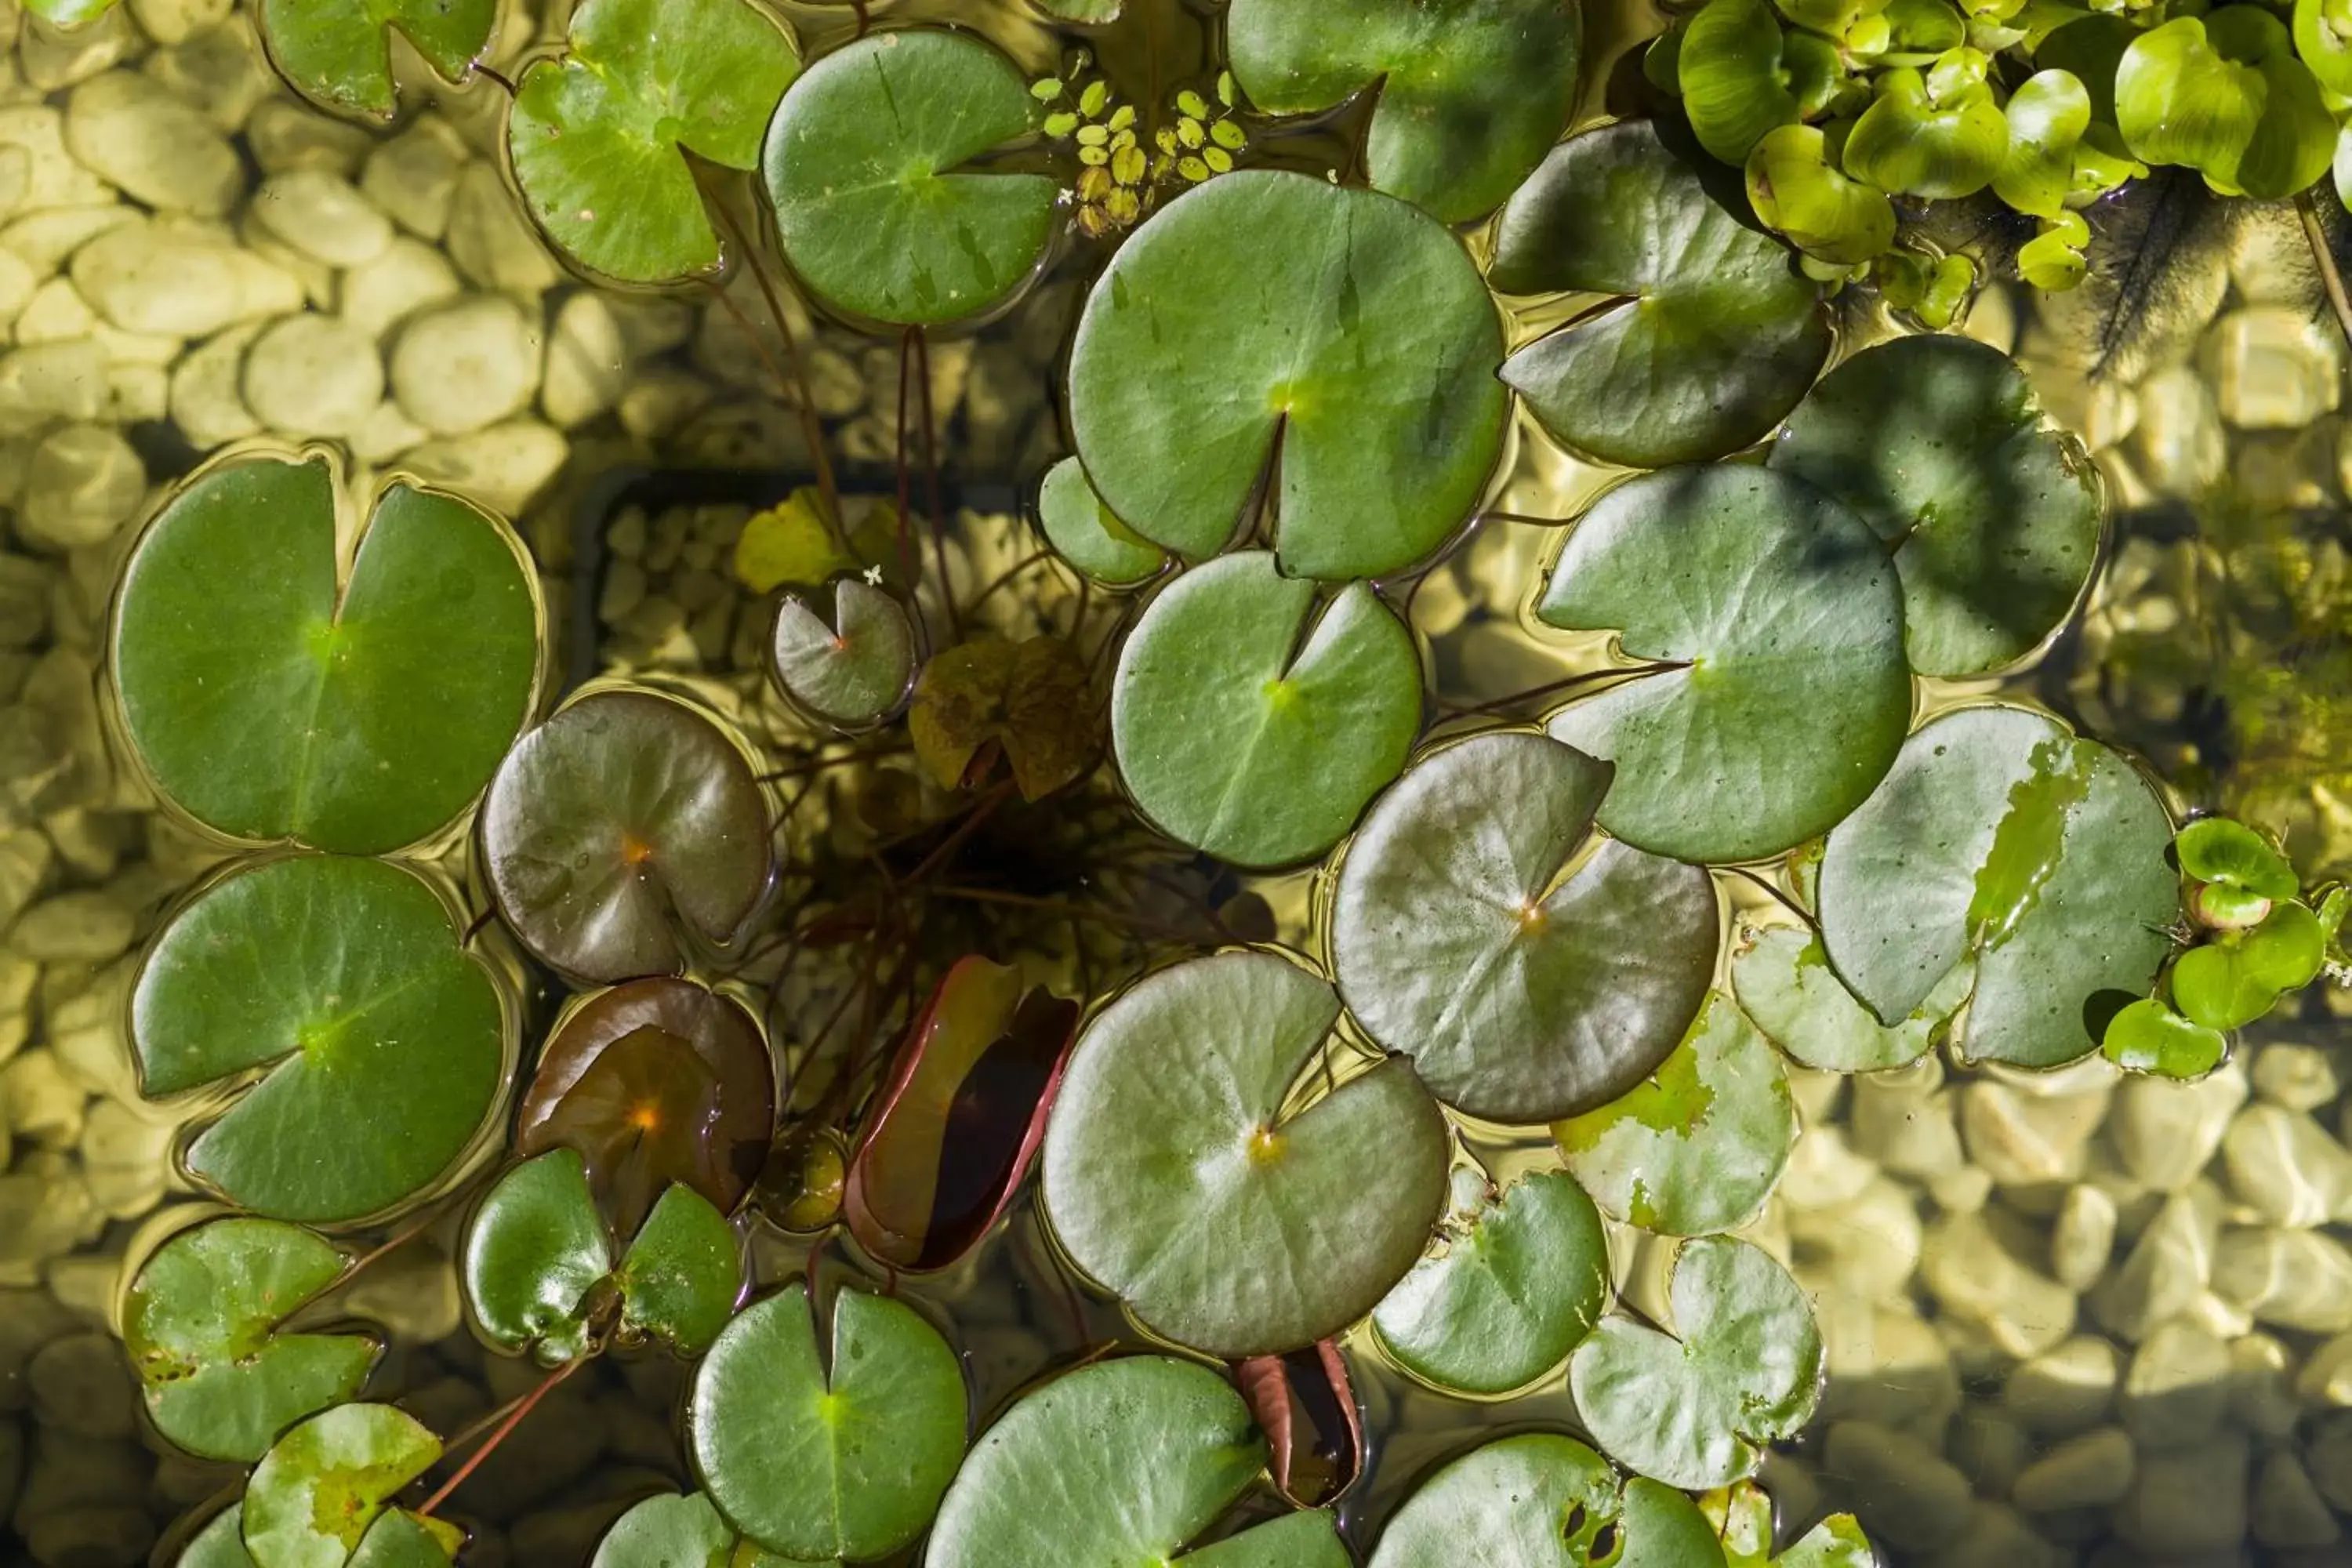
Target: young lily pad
column 344, row 980
column 2225, row 95
column 1470, row 93
column 855, row 672
column 1216, row 358
column 339, row 56
column 1242, row 729
column 1030, row 702
column 2150, row 1037
column 865, row 164
column 1699, row 1145
column 1526, row 982
column 200, row 1325
column 1173, row 1178
column 316, row 1494
column 2000, row 839
column 1781, row 620
column 1695, row 1407
column 1541, row 1500
column 1088, row 535
column 273, row 694
column 1516, row 1285
column 1786, row 986
column 1939, row 444
column 1733, row 77
column 1713, row 335
column 600, row 134
column 622, row 810
column 2236, row 977
column 1305, row 1402
column 839, row 1452
column 1124, row 1462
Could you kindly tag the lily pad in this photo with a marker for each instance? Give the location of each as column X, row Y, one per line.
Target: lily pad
column 316, row 1494
column 2001, row 840
column 1243, row 731
column 622, row 811
column 672, row 1531
column 1699, row 1146
column 839, row 1452
column 866, row 163
column 1030, row 702
column 2150, row 1037
column 343, row 982
column 1174, row 1178
column 599, row 135
column 220, row 1544
column 1786, row 986
column 402, row 1540
column 1270, row 333
column 1742, row 1517
column 1695, row 1407
column 200, row 1324
column 274, row 693
column 1517, row 1283
column 1124, row 1462
column 1086, row 533
column 1469, row 93
column 1713, row 335
column 1780, row 620
column 1526, row 980
column 1939, row 444
column 679, row 1279
column 1542, row 1500
column 855, row 672
column 339, row 55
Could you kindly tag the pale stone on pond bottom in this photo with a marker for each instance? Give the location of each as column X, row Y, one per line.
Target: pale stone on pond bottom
column 2300, row 1078
column 2089, row 1472
column 220, row 70
column 409, row 275
column 413, row 176
column 2285, row 1168
column 2274, row 367
column 2179, row 444
column 85, row 482
column 1975, row 1277
column 491, row 240
column 286, row 135
column 2177, row 1386
column 55, row 313
column 2167, row 1132
column 1868, row 1246
column 2082, row 1237
column 169, row 21
column 55, row 178
column 51, row 380
column 160, row 148
column 502, row 466
column 1903, row 1492
column 2066, row 1389
column 2021, row 1140
column 2193, row 1500
column 2325, row 1380
column 1996, row 1537
column 72, row 928
column 180, row 281
column 323, row 216
column 2164, row 1272
column 313, row 374
column 2288, row 1510
column 206, row 397
column 2290, row 1279
column 2262, row 1386
column 587, row 362
column 385, row 434
column 466, row 365
column 1904, row 1120
column 1885, row 1364
column 39, row 1104
column 81, row 1384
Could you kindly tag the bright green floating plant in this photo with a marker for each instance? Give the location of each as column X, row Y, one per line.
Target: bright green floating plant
column 669, row 1530
column 2149, row 1036
column 323, row 1495
column 1798, row 191
column 1939, row 134
column 338, row 53
column 1733, row 77
column 1085, row 533
column 1542, row 1500
column 2225, row 95
column 1742, row 1517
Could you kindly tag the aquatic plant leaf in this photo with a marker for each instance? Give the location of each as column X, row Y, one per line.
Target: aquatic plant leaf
column 599, row 135
column 220, row 1544
column 2217, row 849
column 1095, row 11
column 1471, row 93
column 1937, row 135
column 855, row 672
column 342, row 981
column 1780, row 619
column 200, row 1326
column 1786, row 986
column 402, row 1540
column 953, row 1134
column 669, row 1530
column 1172, row 1178
column 534, row 1251
column 1247, row 725
column 1699, row 1145
column 2225, row 95
column 1305, row 1402
column 2048, row 115
column 1526, row 983
column 842, row 1452
column 1742, row 1369
column 865, row 164
column 1713, row 335
column 2234, row 977
column 273, row 694
column 1542, row 1500
column 1730, row 73
column 2322, row 41
column 1999, row 839
column 2150, row 1037
column 1814, row 204
column 1742, row 1517
column 680, row 1277
column 791, row 544
column 1268, row 333
column 1939, row 445
column 624, row 812
column 1517, row 1284
column 1086, row 533
column 1030, row 701
column 318, row 1491
column 339, row 55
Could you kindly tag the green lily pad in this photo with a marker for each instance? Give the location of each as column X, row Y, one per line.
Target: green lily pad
column 599, row 135
column 1471, row 93
column 1542, row 1500
column 1695, row 1407
column 1173, row 1177
column 343, row 982
column 274, row 694
column 1800, row 194
column 679, row 1279
column 1730, row 72
column 534, row 1251
column 1241, row 730
column 1787, row 989
column 403, row 1539
column 200, row 1325
column 1713, row 335
column 622, row 810
column 316, row 1494
column 1781, row 619
column 838, row 1452
column 1937, row 135
column 2232, row 855
column 2225, row 95
column 1939, row 444
column 855, row 672
column 1742, row 1517
column 1118, row 1463
column 339, row 55
column 2237, row 976
column 1527, row 984
column 1334, row 347
column 865, row 165
column 1086, row 533
column 220, row 1544
column 1700, row 1145
column 2000, row 839
column 672, row 1531
column 2150, row 1037
column 1517, row 1282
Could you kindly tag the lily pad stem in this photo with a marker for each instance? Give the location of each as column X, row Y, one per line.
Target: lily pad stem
column 931, row 480
column 498, row 1433
column 1132, row 923
column 812, row 428
column 2325, row 259
column 1780, row 894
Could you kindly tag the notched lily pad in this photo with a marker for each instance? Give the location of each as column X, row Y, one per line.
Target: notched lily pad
column 1786, row 986
column 1542, row 1500
column 339, row 56
column 324, row 1486
column 1086, row 533
column 855, row 672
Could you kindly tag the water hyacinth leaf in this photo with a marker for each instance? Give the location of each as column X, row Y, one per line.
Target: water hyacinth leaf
column 2047, row 115
column 200, row 1326
column 1518, row 1283
column 1695, row 1407
column 2236, row 977
column 2217, row 849
column 1249, row 726
column 855, row 672
column 339, row 55
column 344, row 979
column 1526, row 983
column 1471, row 93
column 957, row 1126
column 535, row 1250
column 1713, row 336
column 1798, row 193
column 599, row 135
column 622, row 811
column 680, row 1276
column 274, row 694
column 1215, row 359
column 1542, row 1500
column 1173, row 1178
column 2225, row 95
column 1305, row 1402
column 1938, row 135
column 1086, row 533
column 1787, row 987
column 839, row 1451
column 1939, row 445
column 2001, row 839
column 1030, row 702
column 2149, row 1036
column 867, row 165
column 2322, row 41
column 316, row 1494
column 1737, row 578
column 1729, row 71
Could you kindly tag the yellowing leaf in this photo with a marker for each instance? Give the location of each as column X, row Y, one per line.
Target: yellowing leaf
column 1029, row 699
column 791, row 544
